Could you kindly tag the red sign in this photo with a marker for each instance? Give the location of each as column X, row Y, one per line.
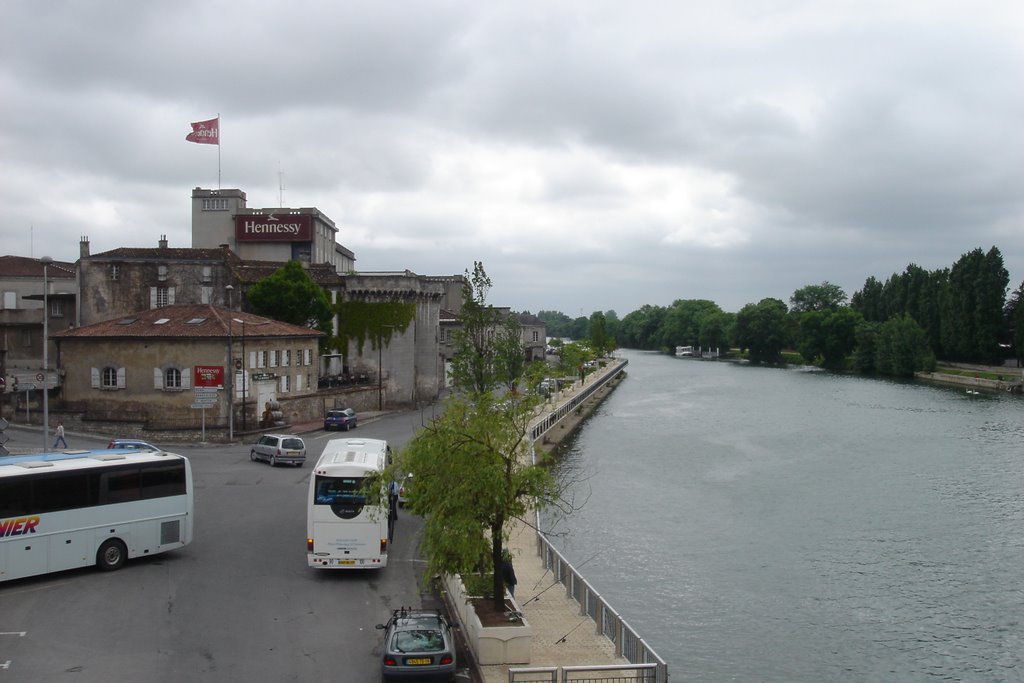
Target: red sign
column 208, row 376
column 277, row 227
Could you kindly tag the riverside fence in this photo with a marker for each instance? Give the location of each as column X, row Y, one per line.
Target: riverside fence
column 646, row 665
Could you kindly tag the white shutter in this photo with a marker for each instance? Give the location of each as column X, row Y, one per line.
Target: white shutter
column 283, row 383
column 298, row 383
column 152, row 297
column 252, row 359
column 186, row 378
column 273, row 358
column 95, row 376
column 158, row 378
column 170, row 296
column 205, row 294
column 120, row 378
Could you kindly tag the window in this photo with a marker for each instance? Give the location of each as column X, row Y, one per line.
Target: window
column 207, row 273
column 161, row 273
column 535, row 333
column 109, row 378
column 206, row 295
column 10, row 300
column 161, row 296
column 115, row 271
column 56, row 308
column 172, row 378
column 275, row 358
column 26, row 337
column 216, row 204
column 286, row 383
column 286, row 358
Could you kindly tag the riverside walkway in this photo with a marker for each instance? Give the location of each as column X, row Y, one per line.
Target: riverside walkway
column 577, row 636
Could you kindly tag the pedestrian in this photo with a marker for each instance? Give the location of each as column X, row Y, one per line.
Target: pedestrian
column 60, row 435
column 508, row 573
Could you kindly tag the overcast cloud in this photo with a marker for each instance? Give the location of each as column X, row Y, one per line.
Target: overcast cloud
column 593, row 155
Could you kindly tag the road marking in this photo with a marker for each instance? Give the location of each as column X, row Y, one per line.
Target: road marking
column 6, row 665
column 13, row 633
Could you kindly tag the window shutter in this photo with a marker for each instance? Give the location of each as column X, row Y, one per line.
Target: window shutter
column 95, row 377
column 170, row 296
column 282, row 384
column 120, row 378
column 186, row 378
column 158, row 378
column 252, row 359
column 152, row 297
column 273, row 358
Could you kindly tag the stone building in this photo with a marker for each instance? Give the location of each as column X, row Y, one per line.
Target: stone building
column 21, row 318
column 145, row 369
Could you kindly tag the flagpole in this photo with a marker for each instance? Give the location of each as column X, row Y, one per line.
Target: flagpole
column 218, row 150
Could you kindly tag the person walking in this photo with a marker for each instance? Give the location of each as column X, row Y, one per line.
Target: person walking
column 60, row 435
column 508, row 573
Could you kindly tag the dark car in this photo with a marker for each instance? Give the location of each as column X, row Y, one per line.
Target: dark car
column 418, row 645
column 344, row 418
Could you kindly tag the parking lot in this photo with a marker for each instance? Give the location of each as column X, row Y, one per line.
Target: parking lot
column 238, row 604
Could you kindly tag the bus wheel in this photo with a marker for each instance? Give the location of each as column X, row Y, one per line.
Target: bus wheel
column 111, row 555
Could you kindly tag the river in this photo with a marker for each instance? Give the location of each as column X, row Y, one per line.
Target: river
column 779, row 525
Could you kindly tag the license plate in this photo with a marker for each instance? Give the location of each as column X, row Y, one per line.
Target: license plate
column 418, row 660
column 293, row 452
column 346, row 561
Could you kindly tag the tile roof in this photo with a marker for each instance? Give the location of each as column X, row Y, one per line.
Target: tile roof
column 166, row 254
column 187, row 321
column 22, row 266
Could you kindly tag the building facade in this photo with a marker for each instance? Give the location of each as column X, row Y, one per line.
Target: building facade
column 159, row 367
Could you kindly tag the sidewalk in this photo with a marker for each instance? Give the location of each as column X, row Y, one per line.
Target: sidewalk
column 562, row 636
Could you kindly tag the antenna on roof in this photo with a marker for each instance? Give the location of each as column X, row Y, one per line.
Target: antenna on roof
column 280, row 185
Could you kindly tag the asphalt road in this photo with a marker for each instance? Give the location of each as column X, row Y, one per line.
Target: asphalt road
column 238, row 604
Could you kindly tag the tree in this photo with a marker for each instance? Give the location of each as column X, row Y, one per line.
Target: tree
column 823, row 297
column 1013, row 317
column 715, row 329
column 829, row 335
column 762, row 329
column 902, row 348
column 473, row 477
column 290, row 295
column 473, row 363
column 472, row 465
column 598, row 332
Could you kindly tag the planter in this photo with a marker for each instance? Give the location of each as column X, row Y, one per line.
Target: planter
column 506, row 643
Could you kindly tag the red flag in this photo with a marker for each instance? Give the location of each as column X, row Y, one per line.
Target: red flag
column 205, row 132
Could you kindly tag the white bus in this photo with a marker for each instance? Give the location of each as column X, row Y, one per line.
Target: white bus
column 79, row 508
column 343, row 531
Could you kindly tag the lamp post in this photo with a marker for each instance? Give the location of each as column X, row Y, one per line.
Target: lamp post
column 245, row 383
column 46, row 261
column 230, row 368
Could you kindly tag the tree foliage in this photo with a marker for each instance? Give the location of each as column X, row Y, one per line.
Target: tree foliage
column 290, row 295
column 762, row 330
column 472, row 467
column 823, row 297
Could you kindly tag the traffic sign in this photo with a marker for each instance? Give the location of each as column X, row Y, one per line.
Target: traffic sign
column 203, row 391
column 205, row 400
column 40, row 377
column 201, row 406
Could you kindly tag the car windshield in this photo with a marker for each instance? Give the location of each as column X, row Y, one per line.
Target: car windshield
column 421, row 640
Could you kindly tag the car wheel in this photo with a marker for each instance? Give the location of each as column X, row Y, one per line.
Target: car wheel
column 273, row 461
column 111, row 555
column 252, row 455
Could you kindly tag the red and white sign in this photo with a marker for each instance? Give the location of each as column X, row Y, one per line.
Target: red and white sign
column 277, row 227
column 208, row 376
column 205, row 132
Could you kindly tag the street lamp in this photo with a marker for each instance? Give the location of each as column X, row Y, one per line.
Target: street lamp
column 230, row 368
column 46, row 261
column 380, row 366
column 244, row 378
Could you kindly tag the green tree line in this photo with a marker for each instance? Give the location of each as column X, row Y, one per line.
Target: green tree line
column 960, row 313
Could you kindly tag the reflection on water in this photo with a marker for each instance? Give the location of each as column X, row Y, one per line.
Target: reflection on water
column 757, row 524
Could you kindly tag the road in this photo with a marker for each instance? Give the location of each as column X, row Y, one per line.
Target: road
column 238, row 604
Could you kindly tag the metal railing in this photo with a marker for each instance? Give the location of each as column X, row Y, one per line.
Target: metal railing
column 645, row 664
column 552, row 418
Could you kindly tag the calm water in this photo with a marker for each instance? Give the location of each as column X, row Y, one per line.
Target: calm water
column 758, row 524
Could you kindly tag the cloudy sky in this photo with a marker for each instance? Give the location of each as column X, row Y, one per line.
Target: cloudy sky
column 593, row 155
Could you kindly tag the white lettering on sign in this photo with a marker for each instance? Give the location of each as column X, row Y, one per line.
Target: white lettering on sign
column 275, row 228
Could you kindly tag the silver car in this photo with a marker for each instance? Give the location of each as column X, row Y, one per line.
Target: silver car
column 279, row 448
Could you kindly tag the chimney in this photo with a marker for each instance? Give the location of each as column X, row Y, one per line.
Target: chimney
column 83, row 247
column 163, row 242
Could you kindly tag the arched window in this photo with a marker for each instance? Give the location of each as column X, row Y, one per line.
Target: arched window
column 172, row 378
column 109, row 378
